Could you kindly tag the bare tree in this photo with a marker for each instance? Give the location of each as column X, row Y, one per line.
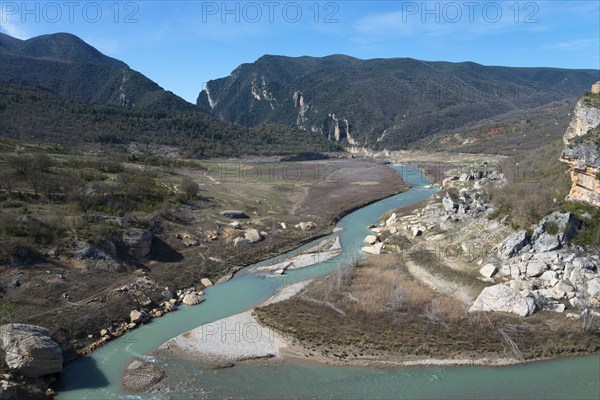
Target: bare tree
column 41, row 161
column 8, row 181
column 19, row 163
column 35, row 178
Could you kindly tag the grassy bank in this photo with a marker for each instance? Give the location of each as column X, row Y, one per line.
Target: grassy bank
column 375, row 310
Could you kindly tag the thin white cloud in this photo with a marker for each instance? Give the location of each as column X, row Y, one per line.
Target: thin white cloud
column 439, row 22
column 10, row 25
column 577, row 44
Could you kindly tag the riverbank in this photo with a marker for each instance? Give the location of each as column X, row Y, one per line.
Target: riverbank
column 232, row 339
column 413, row 304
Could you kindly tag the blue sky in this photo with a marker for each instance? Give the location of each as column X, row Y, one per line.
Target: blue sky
column 182, row 44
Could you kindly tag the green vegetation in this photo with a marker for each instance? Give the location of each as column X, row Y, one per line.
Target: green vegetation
column 38, row 115
column 409, row 99
column 537, row 185
column 591, row 99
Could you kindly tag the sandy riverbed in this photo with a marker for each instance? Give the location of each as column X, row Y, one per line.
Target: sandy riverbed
column 236, row 338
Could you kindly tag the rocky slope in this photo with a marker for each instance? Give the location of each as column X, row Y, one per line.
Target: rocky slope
column 383, row 103
column 457, row 248
column 582, row 150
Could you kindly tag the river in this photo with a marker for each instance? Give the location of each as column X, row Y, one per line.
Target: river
column 97, row 376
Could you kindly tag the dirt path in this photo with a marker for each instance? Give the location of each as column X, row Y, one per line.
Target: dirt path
column 460, row 292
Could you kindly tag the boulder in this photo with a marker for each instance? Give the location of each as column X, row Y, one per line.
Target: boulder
column 505, row 299
column 513, row 244
column 449, row 204
column 141, row 376
column 252, row 235
column 206, row 282
column 391, row 220
column 593, row 287
column 465, row 177
column 585, row 263
column 546, row 242
column 417, row 230
column 488, row 270
column 236, row 225
column 306, row 226
column 549, row 276
column 283, row 225
column 371, row 239
column 375, row 249
column 535, row 268
column 567, row 224
column 138, row 241
column 30, row 351
column 237, row 214
column 136, row 316
column 191, row 299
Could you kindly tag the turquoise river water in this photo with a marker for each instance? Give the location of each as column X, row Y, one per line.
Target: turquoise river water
column 97, row 376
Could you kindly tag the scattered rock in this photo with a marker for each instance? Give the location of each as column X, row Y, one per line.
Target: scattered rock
column 371, row 239
column 513, row 244
column 136, row 316
column 391, row 220
column 306, row 226
column 449, row 204
column 417, row 230
column 206, row 282
column 375, row 249
column 191, row 299
column 30, row 351
column 535, row 268
column 488, row 270
column 546, row 242
column 593, row 287
column 187, row 238
column 252, row 235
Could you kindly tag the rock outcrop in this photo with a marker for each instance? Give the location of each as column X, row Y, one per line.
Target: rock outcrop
column 138, row 241
column 582, row 150
column 30, row 351
column 503, row 298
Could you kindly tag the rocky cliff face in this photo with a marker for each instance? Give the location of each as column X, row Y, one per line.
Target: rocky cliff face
column 582, row 150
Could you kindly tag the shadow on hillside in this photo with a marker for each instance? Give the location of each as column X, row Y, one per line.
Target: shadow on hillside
column 162, row 252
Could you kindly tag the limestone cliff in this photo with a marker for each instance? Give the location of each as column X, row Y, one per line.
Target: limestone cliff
column 582, row 150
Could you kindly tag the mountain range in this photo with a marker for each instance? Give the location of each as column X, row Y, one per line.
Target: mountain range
column 377, row 103
column 68, row 66
column 381, row 103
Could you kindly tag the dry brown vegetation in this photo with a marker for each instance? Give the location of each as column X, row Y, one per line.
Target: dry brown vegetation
column 374, row 309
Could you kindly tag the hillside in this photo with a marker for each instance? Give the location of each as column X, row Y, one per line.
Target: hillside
column 382, row 102
column 37, row 115
column 66, row 65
